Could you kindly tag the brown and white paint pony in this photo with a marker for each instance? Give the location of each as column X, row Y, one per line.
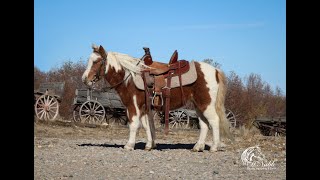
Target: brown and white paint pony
column 207, row 93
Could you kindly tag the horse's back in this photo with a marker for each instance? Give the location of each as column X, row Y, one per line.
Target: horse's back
column 210, row 74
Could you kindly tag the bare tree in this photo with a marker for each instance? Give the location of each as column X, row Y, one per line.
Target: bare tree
column 38, row 77
column 213, row 63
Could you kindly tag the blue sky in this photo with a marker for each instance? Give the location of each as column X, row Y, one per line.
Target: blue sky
column 247, row 36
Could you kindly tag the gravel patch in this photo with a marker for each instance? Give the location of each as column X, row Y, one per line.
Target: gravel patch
column 91, row 153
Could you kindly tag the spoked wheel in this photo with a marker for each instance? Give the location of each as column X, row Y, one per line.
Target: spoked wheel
column 158, row 118
column 178, row 119
column 92, row 112
column 117, row 117
column 47, row 107
column 76, row 115
column 231, row 117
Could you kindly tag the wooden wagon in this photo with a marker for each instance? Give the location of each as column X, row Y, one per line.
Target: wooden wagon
column 96, row 106
column 271, row 126
column 47, row 99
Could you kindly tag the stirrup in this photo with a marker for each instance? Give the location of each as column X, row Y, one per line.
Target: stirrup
column 154, row 95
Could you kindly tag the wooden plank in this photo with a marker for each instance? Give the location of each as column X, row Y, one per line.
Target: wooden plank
column 79, row 100
column 265, row 119
column 81, row 92
column 53, row 88
column 97, row 95
column 104, row 102
column 107, row 99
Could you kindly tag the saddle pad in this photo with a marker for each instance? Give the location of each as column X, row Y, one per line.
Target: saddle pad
column 186, row 78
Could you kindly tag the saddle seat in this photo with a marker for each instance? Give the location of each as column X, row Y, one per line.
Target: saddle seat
column 159, row 68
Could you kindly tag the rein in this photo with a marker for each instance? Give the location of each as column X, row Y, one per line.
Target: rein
column 106, row 88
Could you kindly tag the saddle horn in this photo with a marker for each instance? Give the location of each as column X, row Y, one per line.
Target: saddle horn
column 147, row 56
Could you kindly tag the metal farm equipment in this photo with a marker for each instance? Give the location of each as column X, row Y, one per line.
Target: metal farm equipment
column 47, row 100
column 271, row 126
column 95, row 107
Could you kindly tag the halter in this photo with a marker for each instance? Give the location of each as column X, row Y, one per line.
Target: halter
column 103, row 65
column 106, row 88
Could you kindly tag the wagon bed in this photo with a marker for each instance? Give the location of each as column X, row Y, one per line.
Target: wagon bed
column 271, row 126
column 96, row 106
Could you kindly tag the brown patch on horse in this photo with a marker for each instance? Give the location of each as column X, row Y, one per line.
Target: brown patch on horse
column 217, row 76
column 201, row 92
column 102, row 52
column 95, row 68
column 126, row 92
column 198, row 92
column 127, row 99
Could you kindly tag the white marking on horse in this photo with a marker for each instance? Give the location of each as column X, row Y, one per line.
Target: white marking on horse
column 145, row 122
column 210, row 113
column 130, row 64
column 133, row 126
column 93, row 57
column 113, row 62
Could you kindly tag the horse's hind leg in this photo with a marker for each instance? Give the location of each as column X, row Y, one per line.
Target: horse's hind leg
column 200, row 145
column 213, row 119
column 145, row 122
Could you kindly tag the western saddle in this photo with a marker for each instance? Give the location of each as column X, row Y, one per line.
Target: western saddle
column 157, row 82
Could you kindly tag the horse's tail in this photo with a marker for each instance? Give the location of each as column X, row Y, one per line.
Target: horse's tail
column 224, row 124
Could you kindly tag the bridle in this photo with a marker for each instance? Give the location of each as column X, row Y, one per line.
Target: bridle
column 103, row 64
column 97, row 76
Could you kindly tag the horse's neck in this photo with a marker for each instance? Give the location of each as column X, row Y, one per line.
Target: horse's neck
column 126, row 92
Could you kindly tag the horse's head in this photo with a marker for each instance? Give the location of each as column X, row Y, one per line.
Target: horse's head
column 96, row 66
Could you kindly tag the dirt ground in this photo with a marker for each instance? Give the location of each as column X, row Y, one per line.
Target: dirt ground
column 64, row 150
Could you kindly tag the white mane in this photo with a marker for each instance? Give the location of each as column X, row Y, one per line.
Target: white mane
column 130, row 64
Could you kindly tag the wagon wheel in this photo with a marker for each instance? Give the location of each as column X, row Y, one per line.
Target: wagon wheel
column 117, row 117
column 231, row 117
column 158, row 118
column 264, row 130
column 178, row 119
column 92, row 112
column 76, row 115
column 47, row 107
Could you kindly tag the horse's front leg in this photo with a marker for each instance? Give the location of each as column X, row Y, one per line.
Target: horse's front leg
column 150, row 142
column 133, row 127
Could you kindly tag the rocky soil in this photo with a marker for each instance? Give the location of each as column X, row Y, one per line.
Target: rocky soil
column 73, row 151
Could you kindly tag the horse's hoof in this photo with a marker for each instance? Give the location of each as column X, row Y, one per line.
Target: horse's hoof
column 147, row 148
column 154, row 146
column 213, row 149
column 194, row 150
column 198, row 148
column 127, row 147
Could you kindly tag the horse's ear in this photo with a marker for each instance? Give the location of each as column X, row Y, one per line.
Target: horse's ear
column 102, row 52
column 95, row 48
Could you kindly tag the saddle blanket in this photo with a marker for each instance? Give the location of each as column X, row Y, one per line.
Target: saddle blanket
column 186, row 78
